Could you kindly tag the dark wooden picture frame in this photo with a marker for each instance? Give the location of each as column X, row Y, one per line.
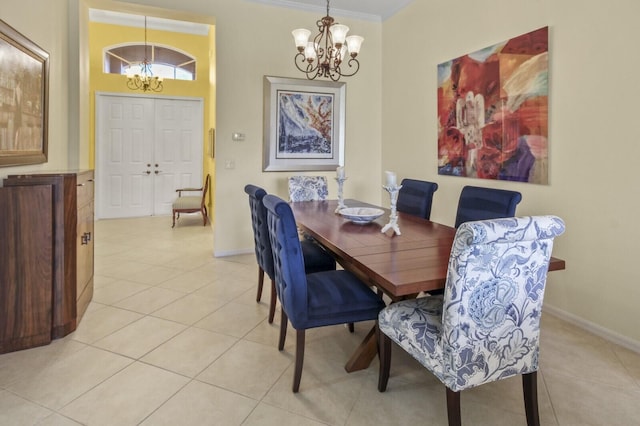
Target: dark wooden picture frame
column 24, row 99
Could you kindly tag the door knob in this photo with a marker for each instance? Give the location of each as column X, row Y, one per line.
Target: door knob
column 157, row 171
column 147, row 172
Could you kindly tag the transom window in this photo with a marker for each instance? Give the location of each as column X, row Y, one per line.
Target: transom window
column 165, row 61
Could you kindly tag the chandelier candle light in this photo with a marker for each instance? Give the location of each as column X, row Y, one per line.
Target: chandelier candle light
column 145, row 80
column 324, row 56
column 340, row 178
column 392, row 188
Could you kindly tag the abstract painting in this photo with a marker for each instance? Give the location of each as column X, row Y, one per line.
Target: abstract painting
column 493, row 111
column 304, row 124
column 305, row 121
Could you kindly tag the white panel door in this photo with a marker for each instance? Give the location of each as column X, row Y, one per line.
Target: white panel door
column 124, row 153
column 146, row 148
column 178, row 149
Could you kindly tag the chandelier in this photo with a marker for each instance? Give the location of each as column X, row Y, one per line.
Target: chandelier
column 144, row 80
column 325, row 55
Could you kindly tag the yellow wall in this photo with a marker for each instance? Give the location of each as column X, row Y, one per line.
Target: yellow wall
column 102, row 36
column 210, row 162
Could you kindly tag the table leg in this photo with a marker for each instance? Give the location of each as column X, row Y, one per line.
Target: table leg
column 364, row 354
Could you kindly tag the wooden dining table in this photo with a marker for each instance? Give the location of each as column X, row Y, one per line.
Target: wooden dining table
column 400, row 266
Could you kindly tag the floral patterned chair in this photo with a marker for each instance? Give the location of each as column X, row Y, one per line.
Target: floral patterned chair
column 486, row 327
column 308, row 188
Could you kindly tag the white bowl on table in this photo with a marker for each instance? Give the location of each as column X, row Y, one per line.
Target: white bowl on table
column 361, row 215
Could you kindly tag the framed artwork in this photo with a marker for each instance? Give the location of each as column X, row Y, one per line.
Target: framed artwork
column 24, row 91
column 303, row 124
column 211, row 148
column 493, row 111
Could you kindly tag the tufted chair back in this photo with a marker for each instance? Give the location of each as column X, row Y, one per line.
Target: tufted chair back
column 416, row 196
column 308, row 188
column 493, row 299
column 264, row 256
column 288, row 264
column 478, row 203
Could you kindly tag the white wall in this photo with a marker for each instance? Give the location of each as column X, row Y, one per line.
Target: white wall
column 254, row 40
column 45, row 23
column 593, row 143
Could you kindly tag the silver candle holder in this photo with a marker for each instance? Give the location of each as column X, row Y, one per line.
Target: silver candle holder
column 341, row 204
column 393, row 217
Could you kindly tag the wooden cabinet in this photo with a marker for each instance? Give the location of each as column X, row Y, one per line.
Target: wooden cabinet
column 73, row 199
column 26, row 267
column 84, row 245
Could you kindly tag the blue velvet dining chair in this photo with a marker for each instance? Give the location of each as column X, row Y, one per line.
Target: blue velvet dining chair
column 316, row 258
column 415, row 197
column 311, row 300
column 478, row 203
column 486, row 327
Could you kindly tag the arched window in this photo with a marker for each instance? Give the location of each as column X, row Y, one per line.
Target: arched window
column 166, row 62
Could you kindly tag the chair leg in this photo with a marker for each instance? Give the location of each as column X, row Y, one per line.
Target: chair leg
column 453, row 408
column 174, row 219
column 283, row 329
column 297, row 374
column 384, row 355
column 530, row 388
column 204, row 217
column 260, row 283
column 272, row 302
column 352, row 327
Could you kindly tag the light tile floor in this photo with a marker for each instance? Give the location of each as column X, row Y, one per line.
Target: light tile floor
column 174, row 336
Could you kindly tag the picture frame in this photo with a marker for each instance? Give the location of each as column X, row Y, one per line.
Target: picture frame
column 24, row 99
column 212, row 143
column 304, row 124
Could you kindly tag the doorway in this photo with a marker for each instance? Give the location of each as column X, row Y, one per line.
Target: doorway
column 146, row 148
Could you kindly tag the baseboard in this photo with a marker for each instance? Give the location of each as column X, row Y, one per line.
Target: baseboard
column 228, row 253
column 605, row 333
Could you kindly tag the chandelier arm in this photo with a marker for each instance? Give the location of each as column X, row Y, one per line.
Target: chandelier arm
column 311, row 71
column 329, row 57
column 356, row 68
column 307, row 66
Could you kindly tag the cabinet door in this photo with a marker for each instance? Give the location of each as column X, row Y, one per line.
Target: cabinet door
column 26, row 263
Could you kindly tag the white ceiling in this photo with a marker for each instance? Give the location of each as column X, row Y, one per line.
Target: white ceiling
column 370, row 10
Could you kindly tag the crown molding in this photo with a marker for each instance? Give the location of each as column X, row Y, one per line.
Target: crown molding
column 153, row 23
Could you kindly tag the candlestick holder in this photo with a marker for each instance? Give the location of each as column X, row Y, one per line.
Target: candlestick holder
column 393, row 217
column 341, row 204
